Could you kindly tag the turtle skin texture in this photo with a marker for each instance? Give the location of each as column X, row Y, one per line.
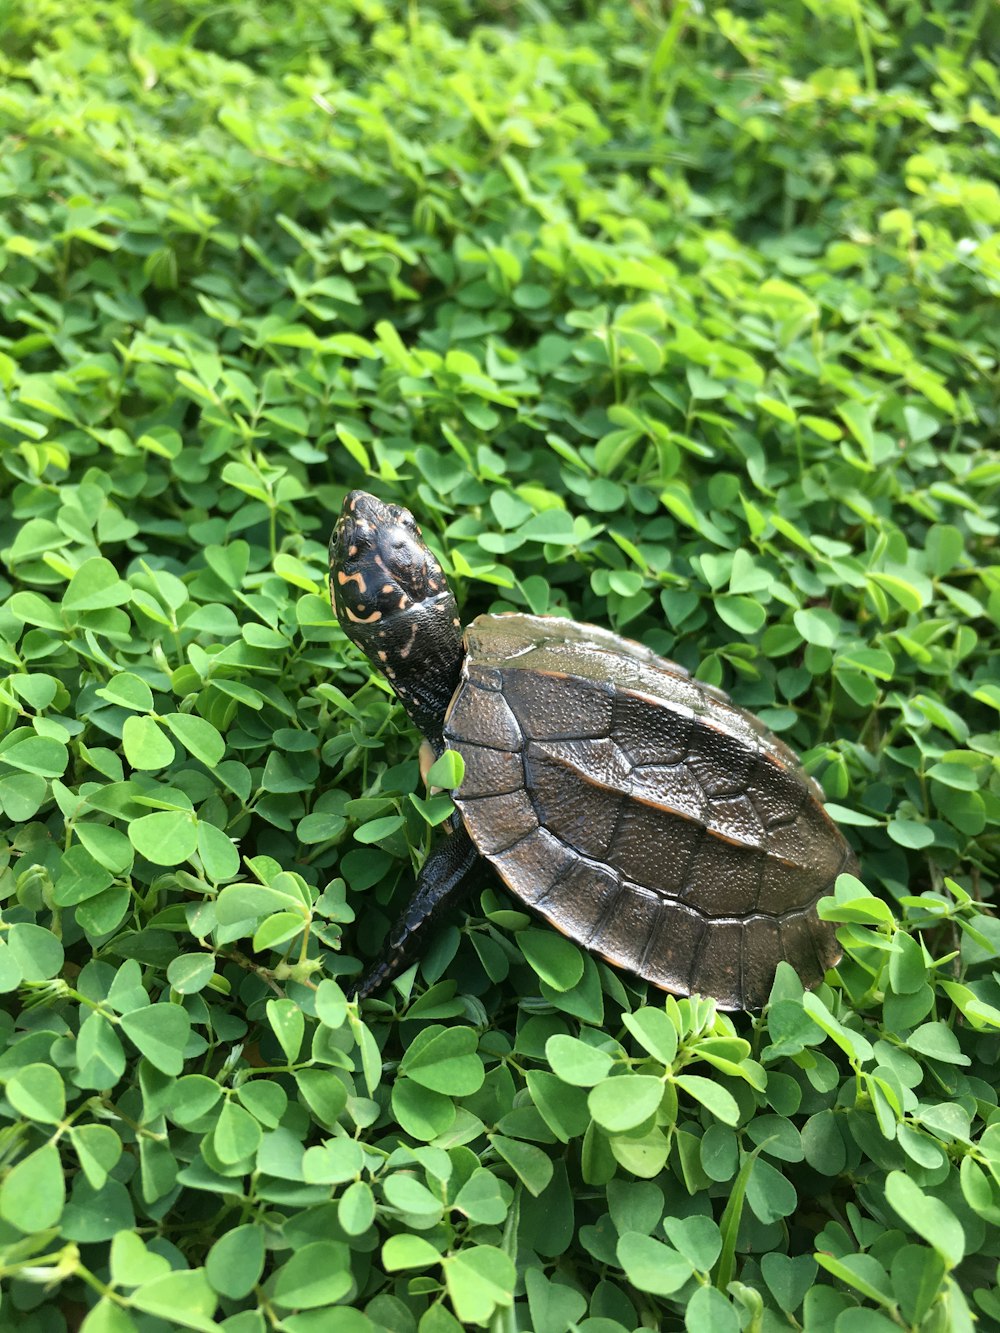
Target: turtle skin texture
column 641, row 812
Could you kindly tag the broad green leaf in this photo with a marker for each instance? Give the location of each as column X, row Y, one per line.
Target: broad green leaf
column 411, row 1197
column 33, row 1191
column 235, row 1262
column 184, row 1299
column 98, row 1148
column 192, row 1097
column 37, row 1092
column 422, row 1113
column 43, row 755
column 645, row 1156
column 655, row 1033
column 107, row 1317
column 197, row 736
column 408, row 1251
column 742, row 614
column 336, row 1161
column 480, row 1279
column 444, row 1060
column 133, row 1263
column 551, row 1303
column 94, row 586
column 317, row 1275
column 859, row 422
column 938, row 1041
column 161, row 1032
column 697, row 1238
column 652, row 1266
column 190, row 973
column 556, row 960
column 818, row 626
column 709, row 1311
column 624, row 1103
column 576, row 1062
column 99, row 1054
column 128, row 691
column 559, row 1104
column 323, row 1092
column 928, row 1216
column 770, row 1194
column 483, row 1198
column 375, row 830
column 356, row 1208
column 532, row 1166
column 288, row 1025
column 237, row 1135
column 712, row 1095
column 22, row 796
column 166, row 838
column 788, row 1278
column 447, row 772
column 266, row 1101
column 35, row 951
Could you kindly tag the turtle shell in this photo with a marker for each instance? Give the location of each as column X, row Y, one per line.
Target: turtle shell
column 640, row 811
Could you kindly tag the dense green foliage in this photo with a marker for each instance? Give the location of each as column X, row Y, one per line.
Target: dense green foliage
column 680, row 322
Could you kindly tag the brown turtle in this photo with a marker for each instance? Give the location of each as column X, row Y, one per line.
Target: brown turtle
column 640, row 811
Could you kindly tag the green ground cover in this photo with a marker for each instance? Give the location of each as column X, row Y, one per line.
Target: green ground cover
column 683, row 321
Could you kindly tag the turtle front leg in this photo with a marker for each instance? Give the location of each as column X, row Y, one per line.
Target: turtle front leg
column 446, row 877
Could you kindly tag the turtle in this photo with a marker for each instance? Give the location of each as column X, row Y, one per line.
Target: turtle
column 637, row 809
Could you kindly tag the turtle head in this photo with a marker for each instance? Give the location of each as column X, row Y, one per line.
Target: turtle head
column 393, row 601
column 379, row 566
